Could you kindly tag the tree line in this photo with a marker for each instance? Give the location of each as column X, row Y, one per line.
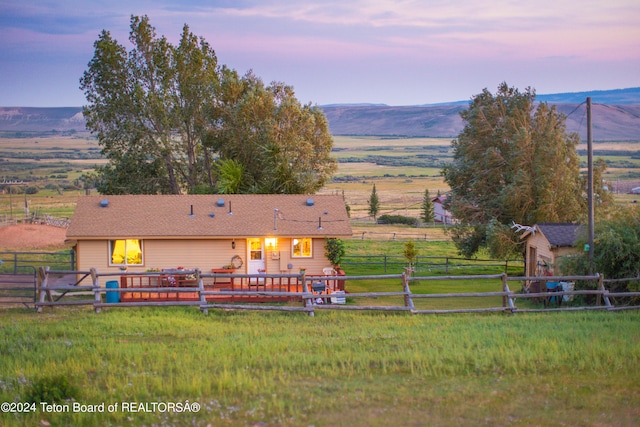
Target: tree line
column 171, row 119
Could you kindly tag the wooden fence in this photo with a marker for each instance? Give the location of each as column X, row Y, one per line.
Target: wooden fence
column 61, row 288
column 432, row 263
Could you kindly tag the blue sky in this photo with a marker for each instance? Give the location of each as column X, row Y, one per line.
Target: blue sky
column 403, row 52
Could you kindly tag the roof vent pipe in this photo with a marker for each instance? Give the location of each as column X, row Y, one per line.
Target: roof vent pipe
column 191, row 214
column 230, row 212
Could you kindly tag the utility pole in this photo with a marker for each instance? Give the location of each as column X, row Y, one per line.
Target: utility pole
column 590, row 185
column 9, row 184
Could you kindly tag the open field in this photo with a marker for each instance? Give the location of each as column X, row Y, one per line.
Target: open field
column 336, row 369
column 401, row 168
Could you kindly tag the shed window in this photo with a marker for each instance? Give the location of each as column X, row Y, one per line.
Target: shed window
column 126, row 252
column 301, row 247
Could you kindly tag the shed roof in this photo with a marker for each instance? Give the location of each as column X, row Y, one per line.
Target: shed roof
column 209, row 216
column 560, row 234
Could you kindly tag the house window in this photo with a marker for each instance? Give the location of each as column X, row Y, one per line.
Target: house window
column 301, row 248
column 125, row 252
column 255, row 249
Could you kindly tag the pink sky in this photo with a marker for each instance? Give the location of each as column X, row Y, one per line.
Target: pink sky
column 393, row 52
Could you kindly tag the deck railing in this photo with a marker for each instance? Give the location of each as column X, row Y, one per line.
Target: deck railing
column 60, row 288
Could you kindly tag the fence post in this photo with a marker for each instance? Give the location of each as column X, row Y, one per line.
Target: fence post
column 42, row 287
column 601, row 288
column 96, row 290
column 507, row 298
column 308, row 302
column 408, row 301
column 385, row 262
column 446, row 265
column 203, row 298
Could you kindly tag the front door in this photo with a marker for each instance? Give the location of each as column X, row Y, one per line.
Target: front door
column 255, row 255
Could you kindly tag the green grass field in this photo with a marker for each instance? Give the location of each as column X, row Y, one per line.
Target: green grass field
column 335, row 369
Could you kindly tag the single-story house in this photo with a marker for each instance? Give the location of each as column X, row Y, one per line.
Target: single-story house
column 440, row 214
column 546, row 244
column 250, row 233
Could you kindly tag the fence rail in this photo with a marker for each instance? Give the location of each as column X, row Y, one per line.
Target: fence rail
column 14, row 262
column 18, row 288
column 52, row 292
column 431, row 264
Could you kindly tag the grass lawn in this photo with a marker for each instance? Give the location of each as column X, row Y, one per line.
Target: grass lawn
column 335, row 369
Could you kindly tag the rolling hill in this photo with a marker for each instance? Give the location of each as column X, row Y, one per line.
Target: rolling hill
column 616, row 117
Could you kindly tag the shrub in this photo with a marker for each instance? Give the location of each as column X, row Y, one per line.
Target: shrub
column 397, row 219
column 52, row 389
column 334, row 251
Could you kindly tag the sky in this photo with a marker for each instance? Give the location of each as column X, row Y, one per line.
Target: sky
column 402, row 52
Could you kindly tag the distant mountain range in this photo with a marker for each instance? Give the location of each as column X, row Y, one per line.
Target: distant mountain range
column 616, row 117
column 615, row 114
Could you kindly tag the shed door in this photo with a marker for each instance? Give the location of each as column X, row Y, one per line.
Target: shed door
column 533, row 261
column 255, row 256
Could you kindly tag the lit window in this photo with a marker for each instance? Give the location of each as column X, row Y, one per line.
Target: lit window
column 126, row 252
column 301, row 248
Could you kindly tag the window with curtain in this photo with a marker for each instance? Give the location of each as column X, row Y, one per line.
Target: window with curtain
column 301, row 247
column 125, row 252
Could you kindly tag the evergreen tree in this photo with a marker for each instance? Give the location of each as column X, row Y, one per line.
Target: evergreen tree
column 427, row 214
column 374, row 203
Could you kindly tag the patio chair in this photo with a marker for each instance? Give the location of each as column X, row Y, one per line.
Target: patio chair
column 553, row 287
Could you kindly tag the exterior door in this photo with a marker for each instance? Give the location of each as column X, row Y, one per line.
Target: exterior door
column 255, row 256
column 532, row 268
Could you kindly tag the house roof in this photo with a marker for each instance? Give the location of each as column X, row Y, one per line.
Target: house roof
column 209, row 216
column 439, row 199
column 560, row 234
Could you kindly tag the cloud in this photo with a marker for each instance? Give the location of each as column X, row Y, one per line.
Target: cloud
column 344, row 48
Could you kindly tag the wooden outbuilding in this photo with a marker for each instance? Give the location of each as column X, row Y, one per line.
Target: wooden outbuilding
column 546, row 244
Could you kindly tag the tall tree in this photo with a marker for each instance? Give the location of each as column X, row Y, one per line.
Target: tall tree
column 513, row 162
column 165, row 115
column 374, row 203
column 283, row 146
column 426, row 213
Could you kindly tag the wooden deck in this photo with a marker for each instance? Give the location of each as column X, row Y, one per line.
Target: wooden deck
column 256, row 286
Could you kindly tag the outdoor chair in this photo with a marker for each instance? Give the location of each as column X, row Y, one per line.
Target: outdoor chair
column 553, row 287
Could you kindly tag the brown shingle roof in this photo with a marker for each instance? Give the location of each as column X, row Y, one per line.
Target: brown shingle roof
column 155, row 216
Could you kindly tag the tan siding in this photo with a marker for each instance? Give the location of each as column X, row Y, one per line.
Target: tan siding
column 545, row 252
column 191, row 254
column 202, row 254
column 314, row 265
column 95, row 254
